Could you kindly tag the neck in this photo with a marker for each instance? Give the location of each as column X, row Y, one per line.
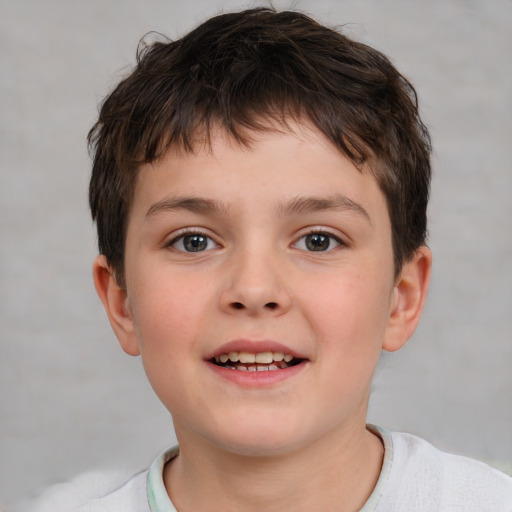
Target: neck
column 337, row 472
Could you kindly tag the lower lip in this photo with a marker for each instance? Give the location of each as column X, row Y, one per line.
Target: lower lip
column 256, row 379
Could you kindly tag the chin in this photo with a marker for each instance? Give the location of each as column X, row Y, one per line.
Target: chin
column 253, row 448
column 257, row 440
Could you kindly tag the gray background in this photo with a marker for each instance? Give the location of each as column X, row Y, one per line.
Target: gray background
column 70, row 400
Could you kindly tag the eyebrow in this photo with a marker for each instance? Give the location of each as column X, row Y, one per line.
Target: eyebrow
column 297, row 206
column 192, row 204
column 303, row 205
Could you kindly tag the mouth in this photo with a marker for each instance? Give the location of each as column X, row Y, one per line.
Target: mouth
column 255, row 362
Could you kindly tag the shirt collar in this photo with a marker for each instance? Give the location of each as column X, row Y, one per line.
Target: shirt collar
column 158, row 498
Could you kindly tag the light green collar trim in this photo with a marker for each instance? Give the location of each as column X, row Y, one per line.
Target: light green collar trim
column 158, row 498
column 375, row 497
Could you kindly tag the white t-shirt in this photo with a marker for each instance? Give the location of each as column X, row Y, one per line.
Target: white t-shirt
column 415, row 476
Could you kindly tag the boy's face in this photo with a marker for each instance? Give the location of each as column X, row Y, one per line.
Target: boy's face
column 283, row 248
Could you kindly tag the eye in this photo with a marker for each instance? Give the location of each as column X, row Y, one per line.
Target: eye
column 192, row 242
column 318, row 241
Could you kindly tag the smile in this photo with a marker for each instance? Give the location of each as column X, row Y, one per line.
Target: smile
column 255, row 362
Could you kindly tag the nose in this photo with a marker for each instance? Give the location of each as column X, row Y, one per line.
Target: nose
column 255, row 286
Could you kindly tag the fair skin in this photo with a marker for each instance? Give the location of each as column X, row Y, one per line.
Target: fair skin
column 283, row 248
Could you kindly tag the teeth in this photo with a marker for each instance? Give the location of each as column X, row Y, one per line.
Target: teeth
column 255, row 360
column 246, row 357
column 264, row 357
column 256, row 368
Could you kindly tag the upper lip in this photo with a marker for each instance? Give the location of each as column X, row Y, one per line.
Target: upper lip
column 254, row 347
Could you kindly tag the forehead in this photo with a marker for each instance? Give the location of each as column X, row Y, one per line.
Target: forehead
column 275, row 167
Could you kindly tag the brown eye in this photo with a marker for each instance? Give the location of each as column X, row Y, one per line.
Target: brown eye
column 318, row 242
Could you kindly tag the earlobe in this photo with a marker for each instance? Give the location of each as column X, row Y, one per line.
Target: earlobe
column 408, row 299
column 115, row 302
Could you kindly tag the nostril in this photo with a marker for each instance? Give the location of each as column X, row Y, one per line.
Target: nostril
column 271, row 306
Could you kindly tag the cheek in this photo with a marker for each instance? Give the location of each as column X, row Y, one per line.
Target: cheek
column 167, row 314
column 351, row 313
column 167, row 325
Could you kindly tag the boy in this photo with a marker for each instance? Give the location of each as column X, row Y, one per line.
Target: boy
column 260, row 190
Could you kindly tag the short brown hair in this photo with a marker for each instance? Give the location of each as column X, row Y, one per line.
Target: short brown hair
column 245, row 71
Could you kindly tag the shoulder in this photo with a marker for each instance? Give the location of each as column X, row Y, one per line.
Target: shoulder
column 130, row 497
column 449, row 482
column 95, row 491
column 103, row 491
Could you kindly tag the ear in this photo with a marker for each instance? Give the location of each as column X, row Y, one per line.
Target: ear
column 408, row 299
column 115, row 302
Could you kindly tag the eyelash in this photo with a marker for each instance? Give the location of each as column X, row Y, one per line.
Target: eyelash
column 189, row 232
column 327, row 234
